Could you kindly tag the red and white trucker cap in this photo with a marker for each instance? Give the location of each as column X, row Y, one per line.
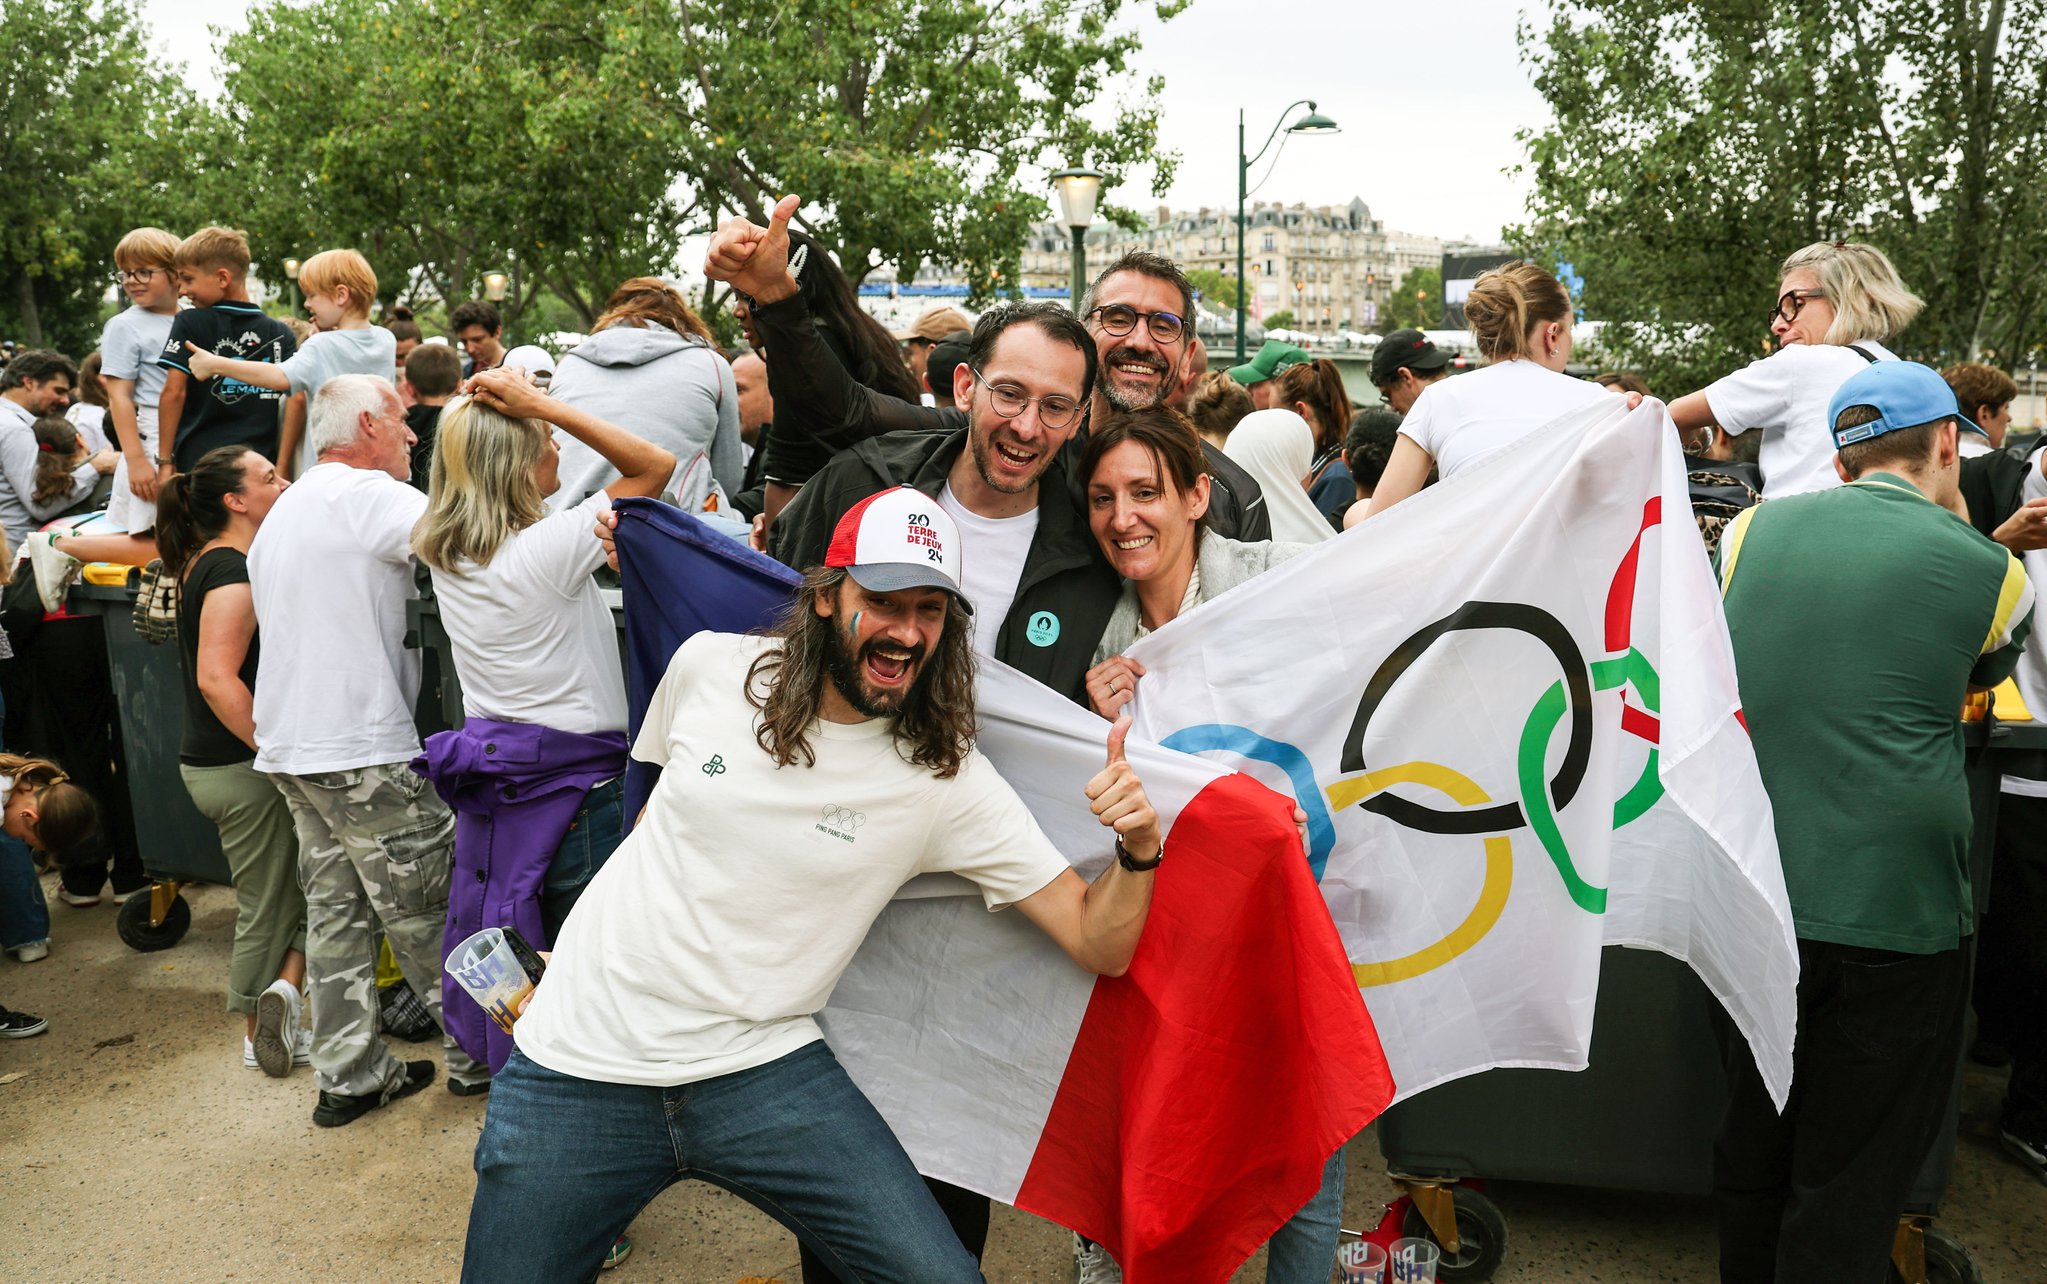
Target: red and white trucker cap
column 898, row 539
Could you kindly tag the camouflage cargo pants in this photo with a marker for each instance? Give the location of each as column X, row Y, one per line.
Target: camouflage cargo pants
column 371, row 840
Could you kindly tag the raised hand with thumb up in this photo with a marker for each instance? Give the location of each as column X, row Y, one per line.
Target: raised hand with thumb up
column 1118, row 800
column 753, row 259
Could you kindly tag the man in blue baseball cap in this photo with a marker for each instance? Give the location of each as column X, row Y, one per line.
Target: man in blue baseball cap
column 1861, row 616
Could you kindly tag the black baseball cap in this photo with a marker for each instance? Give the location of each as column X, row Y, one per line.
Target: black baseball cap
column 947, row 355
column 1408, row 349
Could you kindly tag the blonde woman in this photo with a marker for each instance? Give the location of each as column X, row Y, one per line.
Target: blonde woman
column 532, row 774
column 1520, row 317
column 1838, row 303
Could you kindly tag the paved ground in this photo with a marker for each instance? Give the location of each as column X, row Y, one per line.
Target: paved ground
column 133, row 1146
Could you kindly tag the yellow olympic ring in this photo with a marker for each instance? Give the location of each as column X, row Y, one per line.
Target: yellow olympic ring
column 1492, row 893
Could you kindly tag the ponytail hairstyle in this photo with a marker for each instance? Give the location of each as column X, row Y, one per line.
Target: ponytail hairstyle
column 1319, row 386
column 90, row 390
column 190, row 510
column 1506, row 304
column 401, row 325
column 65, row 814
column 56, row 456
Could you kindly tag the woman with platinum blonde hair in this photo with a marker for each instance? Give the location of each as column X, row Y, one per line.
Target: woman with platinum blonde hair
column 534, row 774
column 1838, row 303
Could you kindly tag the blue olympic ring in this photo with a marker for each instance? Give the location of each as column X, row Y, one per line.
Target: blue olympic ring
column 1246, row 743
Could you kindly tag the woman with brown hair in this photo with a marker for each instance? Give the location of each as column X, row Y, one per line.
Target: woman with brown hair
column 1147, row 490
column 43, row 809
column 1315, row 390
column 1521, row 317
column 650, row 367
column 205, row 521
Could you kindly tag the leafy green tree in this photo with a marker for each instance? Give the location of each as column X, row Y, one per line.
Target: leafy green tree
column 1416, row 303
column 1694, row 146
column 1280, row 320
column 914, row 130
column 1218, row 289
column 448, row 138
column 91, row 130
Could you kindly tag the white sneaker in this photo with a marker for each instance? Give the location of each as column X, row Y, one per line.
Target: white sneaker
column 54, row 570
column 301, row 1054
column 275, row 1045
column 1093, row 1265
column 31, row 952
column 76, row 901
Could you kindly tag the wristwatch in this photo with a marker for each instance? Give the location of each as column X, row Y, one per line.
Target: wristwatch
column 1134, row 865
column 164, row 460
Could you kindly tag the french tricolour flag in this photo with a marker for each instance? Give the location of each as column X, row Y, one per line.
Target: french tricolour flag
column 1178, row 1114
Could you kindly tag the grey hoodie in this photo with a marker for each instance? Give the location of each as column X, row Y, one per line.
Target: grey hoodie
column 674, row 390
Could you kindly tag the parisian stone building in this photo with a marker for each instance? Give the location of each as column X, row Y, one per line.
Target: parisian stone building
column 1330, row 266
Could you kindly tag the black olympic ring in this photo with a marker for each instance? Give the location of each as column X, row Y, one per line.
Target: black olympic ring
column 1538, row 624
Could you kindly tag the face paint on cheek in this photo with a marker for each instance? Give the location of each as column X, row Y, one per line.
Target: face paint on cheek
column 856, row 624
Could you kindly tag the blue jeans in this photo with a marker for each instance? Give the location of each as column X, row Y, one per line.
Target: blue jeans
column 24, row 914
column 1304, row 1250
column 565, row 1164
column 593, row 835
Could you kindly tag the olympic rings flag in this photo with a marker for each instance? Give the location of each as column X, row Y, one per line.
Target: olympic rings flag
column 1508, row 706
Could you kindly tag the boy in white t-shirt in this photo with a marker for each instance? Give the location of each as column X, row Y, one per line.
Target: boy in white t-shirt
column 128, row 350
column 340, row 290
column 808, row 776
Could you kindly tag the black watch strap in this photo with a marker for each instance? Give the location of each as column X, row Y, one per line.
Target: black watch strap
column 1134, row 865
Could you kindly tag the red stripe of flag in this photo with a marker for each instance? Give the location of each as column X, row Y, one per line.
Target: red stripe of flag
column 1620, row 595
column 1209, row 1085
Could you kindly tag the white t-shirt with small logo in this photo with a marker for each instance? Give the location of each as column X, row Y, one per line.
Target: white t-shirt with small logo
column 993, row 551
column 717, row 930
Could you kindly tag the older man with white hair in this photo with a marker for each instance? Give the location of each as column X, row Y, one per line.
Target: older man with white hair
column 331, row 570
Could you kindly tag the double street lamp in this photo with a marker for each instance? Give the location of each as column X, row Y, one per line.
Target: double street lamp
column 1078, row 189
column 1312, row 123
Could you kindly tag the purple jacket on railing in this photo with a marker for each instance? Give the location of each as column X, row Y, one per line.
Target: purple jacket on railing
column 515, row 788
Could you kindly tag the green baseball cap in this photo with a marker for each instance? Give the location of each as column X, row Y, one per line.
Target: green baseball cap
column 1271, row 359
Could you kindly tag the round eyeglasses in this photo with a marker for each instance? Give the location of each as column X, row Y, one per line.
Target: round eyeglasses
column 1009, row 401
column 1116, row 319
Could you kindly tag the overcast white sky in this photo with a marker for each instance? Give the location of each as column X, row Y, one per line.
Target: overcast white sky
column 1429, row 97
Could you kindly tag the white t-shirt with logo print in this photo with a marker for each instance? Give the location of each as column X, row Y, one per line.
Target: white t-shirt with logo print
column 717, row 930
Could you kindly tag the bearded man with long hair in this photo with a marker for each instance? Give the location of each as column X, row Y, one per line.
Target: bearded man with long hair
column 807, row 775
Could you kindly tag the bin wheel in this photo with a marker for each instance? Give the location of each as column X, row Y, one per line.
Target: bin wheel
column 133, row 924
column 1481, row 1235
column 1947, row 1262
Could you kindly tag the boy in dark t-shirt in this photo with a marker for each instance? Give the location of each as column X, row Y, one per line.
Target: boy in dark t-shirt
column 213, row 268
column 433, row 371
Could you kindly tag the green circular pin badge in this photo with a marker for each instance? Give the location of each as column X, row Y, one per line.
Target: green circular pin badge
column 1043, row 629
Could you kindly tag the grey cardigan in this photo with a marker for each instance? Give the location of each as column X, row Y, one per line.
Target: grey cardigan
column 1223, row 565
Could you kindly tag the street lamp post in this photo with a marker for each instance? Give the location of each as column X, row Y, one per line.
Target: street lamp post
column 1312, row 123
column 1078, row 189
column 494, row 286
column 291, row 274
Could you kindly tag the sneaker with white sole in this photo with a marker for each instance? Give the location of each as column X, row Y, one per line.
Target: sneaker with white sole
column 301, row 1053
column 20, row 1025
column 277, row 1025
column 1093, row 1265
column 32, row 951
column 54, row 570
column 76, row 900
